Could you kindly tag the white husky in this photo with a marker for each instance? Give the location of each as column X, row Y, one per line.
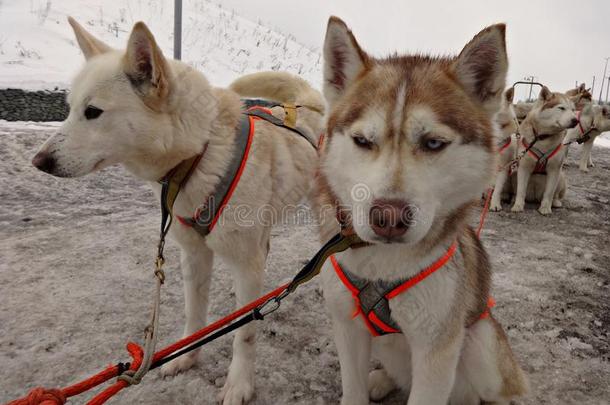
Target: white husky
column 148, row 113
column 409, row 150
column 590, row 127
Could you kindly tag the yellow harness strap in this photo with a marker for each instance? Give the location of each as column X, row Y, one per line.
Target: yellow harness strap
column 290, row 120
column 176, row 179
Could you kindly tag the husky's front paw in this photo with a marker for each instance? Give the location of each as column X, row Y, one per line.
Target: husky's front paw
column 545, row 210
column 380, row 384
column 178, row 365
column 236, row 391
column 518, row 207
column 584, row 169
column 495, row 207
column 557, row 204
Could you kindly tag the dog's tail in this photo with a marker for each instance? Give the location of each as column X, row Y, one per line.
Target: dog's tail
column 282, row 87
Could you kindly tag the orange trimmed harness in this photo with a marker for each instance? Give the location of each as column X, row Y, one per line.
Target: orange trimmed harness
column 372, row 298
column 206, row 217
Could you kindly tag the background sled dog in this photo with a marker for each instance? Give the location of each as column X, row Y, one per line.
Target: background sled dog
column 550, row 116
column 590, row 127
column 409, row 150
column 506, row 146
column 148, row 113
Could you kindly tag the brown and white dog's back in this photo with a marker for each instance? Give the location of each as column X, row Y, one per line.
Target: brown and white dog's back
column 409, row 150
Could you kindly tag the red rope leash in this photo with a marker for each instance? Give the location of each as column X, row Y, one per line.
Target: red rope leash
column 43, row 396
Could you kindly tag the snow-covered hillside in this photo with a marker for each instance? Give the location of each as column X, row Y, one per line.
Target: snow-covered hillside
column 38, row 49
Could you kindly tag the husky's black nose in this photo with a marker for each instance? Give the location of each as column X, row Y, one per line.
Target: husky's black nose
column 45, row 162
column 390, row 218
column 573, row 123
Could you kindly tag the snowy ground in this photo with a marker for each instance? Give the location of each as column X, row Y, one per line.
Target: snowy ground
column 75, row 277
column 38, row 48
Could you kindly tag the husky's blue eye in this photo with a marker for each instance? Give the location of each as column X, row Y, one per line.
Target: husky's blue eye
column 92, row 112
column 434, row 144
column 362, row 142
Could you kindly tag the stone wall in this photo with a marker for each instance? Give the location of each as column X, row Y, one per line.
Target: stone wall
column 23, row 105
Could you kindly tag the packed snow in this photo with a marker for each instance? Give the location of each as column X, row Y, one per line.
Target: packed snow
column 38, row 49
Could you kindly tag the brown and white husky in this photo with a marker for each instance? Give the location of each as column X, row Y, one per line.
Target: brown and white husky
column 409, row 150
column 540, row 176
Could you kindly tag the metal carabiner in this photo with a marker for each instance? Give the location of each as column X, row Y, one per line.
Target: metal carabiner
column 275, row 303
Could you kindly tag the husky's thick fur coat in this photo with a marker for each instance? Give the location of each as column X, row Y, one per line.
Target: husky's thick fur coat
column 591, row 125
column 148, row 113
column 547, row 122
column 409, row 149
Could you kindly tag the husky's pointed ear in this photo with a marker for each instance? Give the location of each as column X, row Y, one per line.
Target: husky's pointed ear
column 582, row 88
column 482, row 65
column 545, row 94
column 90, row 45
column 344, row 60
column 145, row 65
column 509, row 95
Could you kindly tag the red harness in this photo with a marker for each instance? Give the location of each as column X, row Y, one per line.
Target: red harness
column 542, row 158
column 504, row 145
column 582, row 130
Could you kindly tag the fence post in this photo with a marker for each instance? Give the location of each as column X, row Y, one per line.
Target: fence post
column 177, row 29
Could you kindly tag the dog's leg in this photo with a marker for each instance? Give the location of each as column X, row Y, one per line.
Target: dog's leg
column 393, row 353
column 560, row 191
column 248, row 272
column 487, row 369
column 549, row 192
column 196, row 262
column 523, row 177
column 354, row 349
column 496, row 197
column 585, row 156
column 434, row 367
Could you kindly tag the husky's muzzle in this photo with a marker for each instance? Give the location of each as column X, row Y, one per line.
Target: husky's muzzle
column 45, row 162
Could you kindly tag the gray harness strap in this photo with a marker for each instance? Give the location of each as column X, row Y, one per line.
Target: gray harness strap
column 276, row 121
column 372, row 299
column 205, row 216
column 249, row 103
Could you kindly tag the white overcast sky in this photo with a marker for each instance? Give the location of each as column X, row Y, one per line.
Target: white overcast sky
column 558, row 41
